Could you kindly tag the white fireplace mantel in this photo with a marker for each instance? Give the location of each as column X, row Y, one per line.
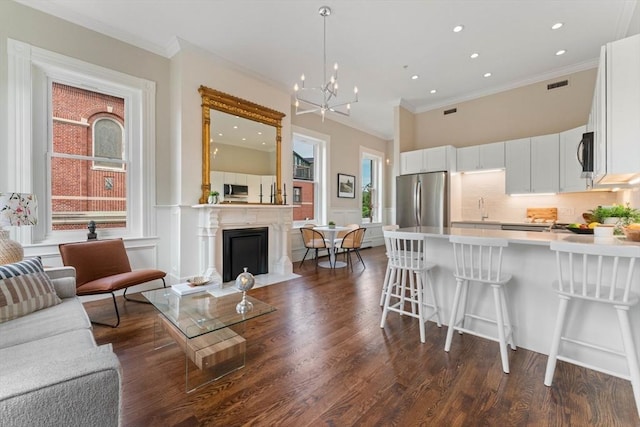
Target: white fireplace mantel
column 216, row 217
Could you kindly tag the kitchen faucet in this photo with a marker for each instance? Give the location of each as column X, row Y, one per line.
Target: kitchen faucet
column 483, row 213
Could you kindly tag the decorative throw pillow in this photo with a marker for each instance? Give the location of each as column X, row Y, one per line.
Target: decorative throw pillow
column 25, row 288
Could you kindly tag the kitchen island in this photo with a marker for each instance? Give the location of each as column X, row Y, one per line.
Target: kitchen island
column 533, row 303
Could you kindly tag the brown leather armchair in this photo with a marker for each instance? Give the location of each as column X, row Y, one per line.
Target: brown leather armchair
column 102, row 266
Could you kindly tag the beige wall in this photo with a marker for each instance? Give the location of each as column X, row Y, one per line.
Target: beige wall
column 344, row 152
column 231, row 158
column 526, row 111
column 199, row 68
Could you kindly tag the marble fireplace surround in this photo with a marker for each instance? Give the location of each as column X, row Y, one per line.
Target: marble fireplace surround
column 212, row 219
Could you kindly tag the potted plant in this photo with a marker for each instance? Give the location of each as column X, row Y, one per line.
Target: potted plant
column 332, row 224
column 618, row 215
column 213, row 197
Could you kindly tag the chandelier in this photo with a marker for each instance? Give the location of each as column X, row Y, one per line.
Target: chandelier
column 325, row 97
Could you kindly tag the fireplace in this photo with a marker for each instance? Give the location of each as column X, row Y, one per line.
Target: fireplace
column 244, row 247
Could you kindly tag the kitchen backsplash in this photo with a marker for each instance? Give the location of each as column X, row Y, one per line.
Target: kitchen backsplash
column 467, row 189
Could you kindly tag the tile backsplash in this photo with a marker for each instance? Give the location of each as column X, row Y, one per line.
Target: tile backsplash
column 467, row 189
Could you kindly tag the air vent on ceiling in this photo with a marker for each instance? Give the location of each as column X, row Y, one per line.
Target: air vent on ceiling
column 451, row 111
column 557, row 84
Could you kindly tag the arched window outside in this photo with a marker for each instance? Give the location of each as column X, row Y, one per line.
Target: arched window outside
column 108, row 136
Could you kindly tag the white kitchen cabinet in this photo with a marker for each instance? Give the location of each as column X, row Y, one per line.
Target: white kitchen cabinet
column 545, row 163
column 570, row 168
column 517, row 155
column 428, row 160
column 253, row 184
column 235, row 178
column 217, row 182
column 532, row 165
column 617, row 109
column 480, row 157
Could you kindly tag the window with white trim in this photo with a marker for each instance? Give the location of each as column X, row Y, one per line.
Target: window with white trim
column 371, row 179
column 104, row 146
column 309, row 179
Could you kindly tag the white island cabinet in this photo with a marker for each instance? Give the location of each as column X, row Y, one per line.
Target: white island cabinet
column 533, row 304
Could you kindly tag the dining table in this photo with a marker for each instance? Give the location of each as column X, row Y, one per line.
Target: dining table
column 330, row 233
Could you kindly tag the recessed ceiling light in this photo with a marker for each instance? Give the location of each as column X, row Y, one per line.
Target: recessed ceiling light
column 561, row 52
column 557, row 25
column 474, row 55
column 244, row 139
column 259, row 133
column 219, row 134
column 264, row 143
column 458, row 28
column 487, row 74
column 235, row 127
column 433, row 91
column 415, row 77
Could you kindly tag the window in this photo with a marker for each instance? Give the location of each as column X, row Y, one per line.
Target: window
column 371, row 179
column 309, row 176
column 90, row 151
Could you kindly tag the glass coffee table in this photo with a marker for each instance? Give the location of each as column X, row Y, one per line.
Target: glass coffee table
column 208, row 328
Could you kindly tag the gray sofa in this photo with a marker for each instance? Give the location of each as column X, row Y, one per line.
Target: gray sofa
column 52, row 373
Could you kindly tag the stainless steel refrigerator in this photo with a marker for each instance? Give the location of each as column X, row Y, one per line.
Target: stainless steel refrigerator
column 422, row 200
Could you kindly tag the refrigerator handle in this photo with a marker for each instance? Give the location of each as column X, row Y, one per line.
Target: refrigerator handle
column 418, row 202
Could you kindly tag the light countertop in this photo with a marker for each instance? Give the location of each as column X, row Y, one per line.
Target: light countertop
column 519, row 237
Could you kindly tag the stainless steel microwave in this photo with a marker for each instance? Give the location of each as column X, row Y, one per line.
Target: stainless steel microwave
column 233, row 190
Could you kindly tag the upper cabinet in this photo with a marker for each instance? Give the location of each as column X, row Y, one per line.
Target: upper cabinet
column 616, row 111
column 480, row 157
column 532, row 165
column 570, row 167
column 428, row 160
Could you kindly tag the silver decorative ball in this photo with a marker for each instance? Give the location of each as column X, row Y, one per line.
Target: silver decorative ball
column 245, row 281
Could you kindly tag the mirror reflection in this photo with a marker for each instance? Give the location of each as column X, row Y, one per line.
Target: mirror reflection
column 240, row 149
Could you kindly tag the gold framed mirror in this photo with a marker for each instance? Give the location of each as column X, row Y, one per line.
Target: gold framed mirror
column 219, row 101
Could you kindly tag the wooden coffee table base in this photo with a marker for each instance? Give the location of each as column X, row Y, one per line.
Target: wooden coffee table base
column 209, row 356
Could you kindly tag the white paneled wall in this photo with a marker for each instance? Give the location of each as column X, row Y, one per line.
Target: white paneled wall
column 501, row 207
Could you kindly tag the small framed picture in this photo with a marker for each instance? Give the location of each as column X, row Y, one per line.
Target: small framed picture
column 346, row 186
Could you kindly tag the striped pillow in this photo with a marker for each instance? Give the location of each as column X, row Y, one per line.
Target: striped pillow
column 25, row 288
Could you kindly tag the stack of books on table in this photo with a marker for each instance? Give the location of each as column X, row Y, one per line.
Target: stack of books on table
column 187, row 288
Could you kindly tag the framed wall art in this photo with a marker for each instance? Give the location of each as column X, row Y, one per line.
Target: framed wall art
column 346, row 186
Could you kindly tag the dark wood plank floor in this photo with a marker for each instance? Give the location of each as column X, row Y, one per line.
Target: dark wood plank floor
column 322, row 359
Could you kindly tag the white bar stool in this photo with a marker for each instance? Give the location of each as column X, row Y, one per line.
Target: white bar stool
column 601, row 274
column 387, row 273
column 406, row 261
column 479, row 259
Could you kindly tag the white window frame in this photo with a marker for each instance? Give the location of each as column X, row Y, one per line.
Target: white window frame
column 377, row 171
column 322, row 143
column 30, row 73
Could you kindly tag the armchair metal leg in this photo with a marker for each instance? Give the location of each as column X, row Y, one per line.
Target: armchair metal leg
column 117, row 314
column 124, row 294
column 304, row 257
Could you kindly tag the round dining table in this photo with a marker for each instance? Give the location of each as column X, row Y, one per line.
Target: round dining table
column 330, row 236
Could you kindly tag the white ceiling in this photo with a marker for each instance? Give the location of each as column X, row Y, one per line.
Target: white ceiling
column 379, row 44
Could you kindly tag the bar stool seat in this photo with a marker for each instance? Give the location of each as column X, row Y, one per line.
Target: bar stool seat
column 479, row 260
column 409, row 280
column 601, row 274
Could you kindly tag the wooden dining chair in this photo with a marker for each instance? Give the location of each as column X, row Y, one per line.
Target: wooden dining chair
column 352, row 242
column 313, row 240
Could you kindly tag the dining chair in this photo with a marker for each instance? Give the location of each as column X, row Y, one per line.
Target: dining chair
column 408, row 294
column 479, row 260
column 595, row 274
column 313, row 239
column 352, row 242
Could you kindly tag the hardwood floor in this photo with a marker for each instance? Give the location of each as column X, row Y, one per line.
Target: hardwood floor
column 322, row 359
